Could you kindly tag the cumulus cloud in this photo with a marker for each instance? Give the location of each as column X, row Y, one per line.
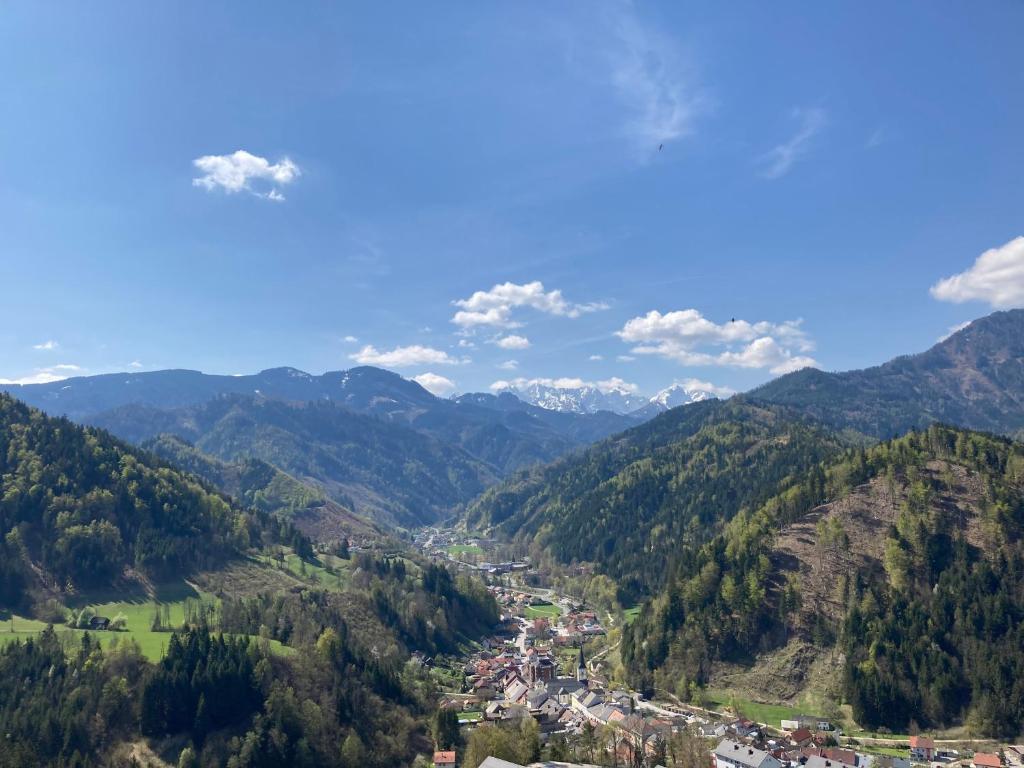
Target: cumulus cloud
column 237, row 172
column 350, row 339
column 595, row 358
column 509, row 365
column 605, row 386
column 494, row 307
column 435, row 384
column 513, row 342
column 46, row 346
column 688, row 337
column 996, row 277
column 135, row 364
column 705, row 386
column 780, row 159
column 403, row 357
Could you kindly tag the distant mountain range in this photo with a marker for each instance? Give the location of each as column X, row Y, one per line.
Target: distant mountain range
column 384, row 447
column 613, row 396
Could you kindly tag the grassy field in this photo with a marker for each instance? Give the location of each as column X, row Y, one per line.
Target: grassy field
column 464, row 549
column 772, row 714
column 629, row 614
column 170, row 602
column 471, row 716
column 542, row 611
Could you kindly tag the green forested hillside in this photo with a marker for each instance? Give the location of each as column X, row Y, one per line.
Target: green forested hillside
column 380, row 470
column 341, row 700
column 82, row 511
column 264, row 487
column 638, row 502
column 931, row 621
column 78, row 507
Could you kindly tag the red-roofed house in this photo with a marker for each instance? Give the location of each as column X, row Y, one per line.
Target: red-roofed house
column 986, row 760
column 444, row 759
column 801, row 737
column 922, row 748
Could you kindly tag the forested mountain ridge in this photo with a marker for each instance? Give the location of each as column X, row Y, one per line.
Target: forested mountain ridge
column 913, row 568
column 381, row 470
column 974, row 379
column 506, row 437
column 78, row 507
column 264, row 487
column 637, row 502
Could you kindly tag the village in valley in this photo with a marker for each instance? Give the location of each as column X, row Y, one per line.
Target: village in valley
column 545, row 663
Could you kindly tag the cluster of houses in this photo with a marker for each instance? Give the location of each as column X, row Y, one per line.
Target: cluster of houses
column 571, row 628
column 512, row 684
column 804, row 743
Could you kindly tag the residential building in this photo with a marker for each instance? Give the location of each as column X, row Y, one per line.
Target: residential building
column 986, row 760
column 733, row 754
column 922, row 749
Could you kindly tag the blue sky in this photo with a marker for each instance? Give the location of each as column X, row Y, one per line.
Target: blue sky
column 820, row 173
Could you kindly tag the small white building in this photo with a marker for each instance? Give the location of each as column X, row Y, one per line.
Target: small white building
column 733, row 754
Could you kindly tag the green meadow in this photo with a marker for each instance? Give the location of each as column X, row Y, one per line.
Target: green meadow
column 170, row 601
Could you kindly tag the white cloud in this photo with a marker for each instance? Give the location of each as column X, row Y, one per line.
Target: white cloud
column 135, row 364
column 650, row 78
column 996, row 277
column 779, row 159
column 350, row 339
column 596, row 358
column 686, row 336
column 46, row 346
column 46, row 375
column 435, row 384
column 494, row 307
column 954, row 329
column 237, row 172
column 466, row 344
column 509, row 365
column 513, row 342
column 403, row 357
column 706, row 386
column 605, row 386
column 625, row 358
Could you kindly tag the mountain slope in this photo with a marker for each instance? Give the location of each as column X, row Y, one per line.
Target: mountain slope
column 913, row 569
column 974, row 379
column 257, row 484
column 635, row 503
column 79, row 507
column 384, row 471
column 507, row 439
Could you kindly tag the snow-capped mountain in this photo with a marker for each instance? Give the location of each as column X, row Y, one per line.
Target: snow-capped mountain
column 586, row 397
column 681, row 393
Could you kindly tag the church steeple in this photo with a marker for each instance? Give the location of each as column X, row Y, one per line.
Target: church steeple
column 581, row 667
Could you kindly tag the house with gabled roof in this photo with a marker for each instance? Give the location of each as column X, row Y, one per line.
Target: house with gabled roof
column 734, row 754
column 922, row 748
